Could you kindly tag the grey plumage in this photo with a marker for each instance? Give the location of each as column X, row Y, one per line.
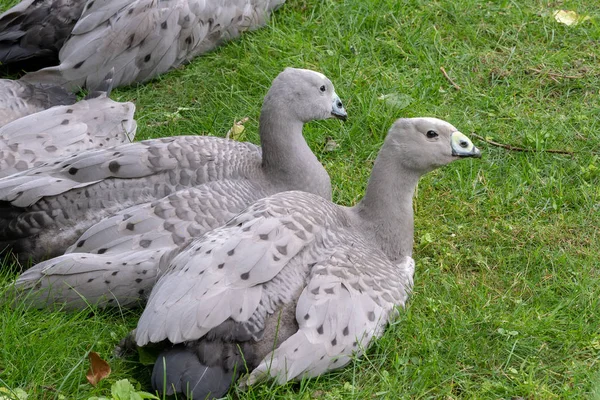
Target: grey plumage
column 42, row 219
column 144, row 38
column 47, row 135
column 18, row 99
column 340, row 272
column 33, row 31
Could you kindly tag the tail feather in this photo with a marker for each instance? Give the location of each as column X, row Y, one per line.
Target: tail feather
column 178, row 370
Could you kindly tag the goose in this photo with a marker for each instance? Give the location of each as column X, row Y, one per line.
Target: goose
column 45, row 209
column 18, row 99
column 95, row 121
column 294, row 285
column 33, row 31
column 144, row 38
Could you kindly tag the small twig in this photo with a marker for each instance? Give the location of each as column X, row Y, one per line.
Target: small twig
column 514, row 148
column 449, row 79
column 553, row 75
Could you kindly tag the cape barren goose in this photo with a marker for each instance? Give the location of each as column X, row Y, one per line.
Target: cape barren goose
column 144, row 38
column 294, row 285
column 18, row 99
column 33, row 31
column 46, row 209
column 95, row 122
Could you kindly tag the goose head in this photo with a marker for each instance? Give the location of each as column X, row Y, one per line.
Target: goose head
column 305, row 95
column 424, row 144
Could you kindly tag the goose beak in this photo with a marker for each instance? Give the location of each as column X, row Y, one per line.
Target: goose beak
column 337, row 108
column 462, row 146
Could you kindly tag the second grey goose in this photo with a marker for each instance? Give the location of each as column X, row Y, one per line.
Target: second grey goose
column 144, row 38
column 294, row 285
column 46, row 209
column 94, row 122
column 19, row 98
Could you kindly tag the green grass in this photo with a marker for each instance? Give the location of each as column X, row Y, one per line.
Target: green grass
column 506, row 299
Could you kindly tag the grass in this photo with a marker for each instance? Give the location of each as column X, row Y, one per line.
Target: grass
column 506, row 302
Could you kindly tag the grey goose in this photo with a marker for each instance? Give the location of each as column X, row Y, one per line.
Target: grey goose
column 294, row 285
column 44, row 210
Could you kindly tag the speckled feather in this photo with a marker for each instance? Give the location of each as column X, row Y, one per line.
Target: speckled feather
column 18, row 99
column 62, row 130
column 227, row 274
column 144, row 38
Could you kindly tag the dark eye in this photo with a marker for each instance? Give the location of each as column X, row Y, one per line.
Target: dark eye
column 432, row 134
column 322, row 88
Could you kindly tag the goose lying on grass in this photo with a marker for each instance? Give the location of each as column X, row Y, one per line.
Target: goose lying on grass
column 295, row 273
column 46, row 209
column 33, row 31
column 144, row 38
column 18, row 99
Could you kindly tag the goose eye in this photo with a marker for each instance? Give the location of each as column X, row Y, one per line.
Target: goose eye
column 432, row 134
column 322, row 88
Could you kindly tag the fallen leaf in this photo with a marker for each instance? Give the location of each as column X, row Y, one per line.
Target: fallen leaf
column 124, row 390
column 331, row 145
column 397, row 100
column 235, row 133
column 99, row 369
column 569, row 17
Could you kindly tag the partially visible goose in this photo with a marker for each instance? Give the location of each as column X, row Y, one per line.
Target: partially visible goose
column 33, row 31
column 144, row 38
column 46, row 209
column 18, row 99
column 94, row 122
column 295, row 272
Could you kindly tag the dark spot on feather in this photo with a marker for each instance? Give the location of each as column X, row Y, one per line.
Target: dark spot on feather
column 211, row 20
column 322, row 357
column 147, row 58
column 114, row 167
column 115, row 273
column 245, row 229
column 220, row 266
column 70, row 111
column 315, row 290
column 336, row 360
column 164, row 25
column 65, row 122
column 346, row 331
column 371, row 316
column 208, row 251
column 275, row 258
column 301, row 235
column 186, row 18
column 295, row 350
column 312, row 265
column 320, row 330
column 355, row 344
column 130, row 226
column 141, row 291
column 329, row 291
column 306, row 316
column 282, row 250
column 145, row 271
column 80, row 243
column 90, row 280
column 50, row 149
column 245, row 276
column 231, row 252
column 145, row 243
column 78, row 65
column 142, row 41
column 89, row 5
column 102, row 251
column 124, row 264
column 130, row 11
column 111, row 300
column 138, row 280
column 334, row 342
column 263, row 236
column 107, row 282
column 131, row 38
column 241, row 310
column 188, row 40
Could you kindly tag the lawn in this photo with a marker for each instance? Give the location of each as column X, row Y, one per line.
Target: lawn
column 506, row 298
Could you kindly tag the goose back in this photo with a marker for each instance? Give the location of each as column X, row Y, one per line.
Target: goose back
column 144, row 38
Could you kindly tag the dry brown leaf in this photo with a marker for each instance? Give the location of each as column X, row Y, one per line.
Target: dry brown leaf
column 99, row 369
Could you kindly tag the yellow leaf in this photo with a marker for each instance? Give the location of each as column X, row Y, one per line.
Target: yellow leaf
column 99, row 369
column 235, row 133
column 569, row 17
